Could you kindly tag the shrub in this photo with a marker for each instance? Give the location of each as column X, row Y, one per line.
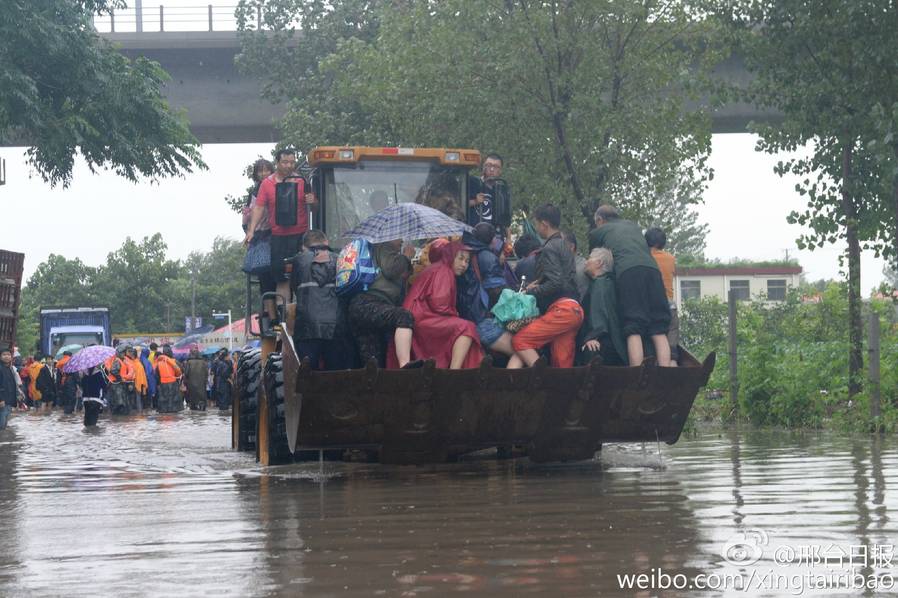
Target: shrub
column 793, row 360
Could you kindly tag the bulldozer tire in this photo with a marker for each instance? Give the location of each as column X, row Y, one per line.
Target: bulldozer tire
column 249, row 376
column 278, row 448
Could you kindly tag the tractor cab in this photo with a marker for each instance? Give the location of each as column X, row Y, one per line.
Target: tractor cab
column 352, row 183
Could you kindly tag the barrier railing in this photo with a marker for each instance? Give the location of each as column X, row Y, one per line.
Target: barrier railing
column 153, row 18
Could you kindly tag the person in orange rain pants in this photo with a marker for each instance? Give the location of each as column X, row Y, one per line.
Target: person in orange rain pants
column 169, row 399
column 555, row 289
column 121, row 376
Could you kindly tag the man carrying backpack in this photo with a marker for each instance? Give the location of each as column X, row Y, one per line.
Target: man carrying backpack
column 320, row 332
column 285, row 195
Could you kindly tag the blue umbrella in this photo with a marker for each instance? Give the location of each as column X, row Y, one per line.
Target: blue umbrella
column 408, row 221
column 210, row 351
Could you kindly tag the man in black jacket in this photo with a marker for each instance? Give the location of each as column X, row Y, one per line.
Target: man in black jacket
column 46, row 383
column 9, row 385
column 488, row 199
column 556, row 294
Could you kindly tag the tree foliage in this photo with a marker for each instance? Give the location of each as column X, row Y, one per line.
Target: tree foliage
column 287, row 53
column 587, row 101
column 64, row 91
column 793, row 359
column 145, row 290
column 839, row 75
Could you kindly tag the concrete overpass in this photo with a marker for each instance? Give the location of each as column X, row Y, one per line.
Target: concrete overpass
column 224, row 106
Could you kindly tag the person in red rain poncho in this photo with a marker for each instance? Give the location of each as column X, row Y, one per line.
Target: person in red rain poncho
column 440, row 334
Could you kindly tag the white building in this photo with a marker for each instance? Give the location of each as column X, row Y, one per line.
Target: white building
column 748, row 283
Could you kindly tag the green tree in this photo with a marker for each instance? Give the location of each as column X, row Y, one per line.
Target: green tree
column 136, row 283
column 674, row 212
column 237, row 202
column 144, row 289
column 287, row 53
column 59, row 281
column 65, row 91
column 839, row 53
column 219, row 282
column 587, row 101
column 885, row 147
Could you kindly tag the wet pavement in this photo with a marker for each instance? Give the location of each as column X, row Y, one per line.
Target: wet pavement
column 160, row 506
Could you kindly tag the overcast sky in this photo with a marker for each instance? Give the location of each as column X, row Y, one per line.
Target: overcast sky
column 746, row 206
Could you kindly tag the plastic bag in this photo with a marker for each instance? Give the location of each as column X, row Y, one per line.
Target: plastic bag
column 515, row 306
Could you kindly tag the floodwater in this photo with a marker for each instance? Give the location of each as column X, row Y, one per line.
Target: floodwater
column 160, row 506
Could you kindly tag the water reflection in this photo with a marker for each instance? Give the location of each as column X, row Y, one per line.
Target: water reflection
column 152, row 506
column 10, row 507
column 497, row 527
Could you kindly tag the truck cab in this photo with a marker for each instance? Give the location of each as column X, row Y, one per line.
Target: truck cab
column 354, row 182
column 61, row 326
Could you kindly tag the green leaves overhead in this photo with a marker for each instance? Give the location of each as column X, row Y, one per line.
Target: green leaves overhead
column 64, row 91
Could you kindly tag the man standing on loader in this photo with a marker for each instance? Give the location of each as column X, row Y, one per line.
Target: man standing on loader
column 285, row 195
column 488, row 199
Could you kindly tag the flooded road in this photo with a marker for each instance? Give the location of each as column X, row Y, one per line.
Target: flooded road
column 160, row 506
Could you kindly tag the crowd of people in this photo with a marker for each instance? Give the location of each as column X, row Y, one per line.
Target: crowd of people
column 134, row 380
column 436, row 302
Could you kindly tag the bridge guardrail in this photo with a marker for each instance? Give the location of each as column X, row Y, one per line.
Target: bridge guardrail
column 206, row 17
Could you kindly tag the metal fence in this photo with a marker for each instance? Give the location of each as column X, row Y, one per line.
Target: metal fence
column 151, row 18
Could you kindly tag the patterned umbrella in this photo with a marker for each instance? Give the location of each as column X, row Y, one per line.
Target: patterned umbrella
column 88, row 357
column 408, row 221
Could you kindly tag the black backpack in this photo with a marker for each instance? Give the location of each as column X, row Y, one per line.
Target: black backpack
column 286, row 200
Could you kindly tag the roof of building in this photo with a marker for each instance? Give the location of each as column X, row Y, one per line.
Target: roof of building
column 738, row 271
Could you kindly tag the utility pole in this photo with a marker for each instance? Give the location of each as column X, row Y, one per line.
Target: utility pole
column 734, row 374
column 138, row 14
column 193, row 297
column 216, row 314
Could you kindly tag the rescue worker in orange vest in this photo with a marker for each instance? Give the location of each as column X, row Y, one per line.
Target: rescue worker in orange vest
column 42, row 386
column 120, row 375
column 168, row 395
column 136, row 398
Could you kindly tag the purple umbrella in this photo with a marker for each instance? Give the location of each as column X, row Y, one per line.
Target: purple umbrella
column 88, row 357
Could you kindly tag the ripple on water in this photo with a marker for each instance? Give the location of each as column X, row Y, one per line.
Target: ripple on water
column 159, row 506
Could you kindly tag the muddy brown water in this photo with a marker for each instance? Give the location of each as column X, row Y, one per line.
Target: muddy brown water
column 160, row 506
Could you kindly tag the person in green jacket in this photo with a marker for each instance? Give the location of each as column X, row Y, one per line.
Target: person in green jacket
column 601, row 331
column 642, row 301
